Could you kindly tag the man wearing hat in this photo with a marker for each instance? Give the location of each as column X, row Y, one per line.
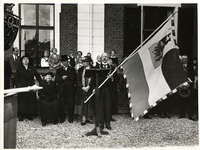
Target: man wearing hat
column 66, row 81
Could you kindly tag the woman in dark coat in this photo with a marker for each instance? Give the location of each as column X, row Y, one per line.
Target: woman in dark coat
column 85, row 86
column 27, row 103
column 49, row 108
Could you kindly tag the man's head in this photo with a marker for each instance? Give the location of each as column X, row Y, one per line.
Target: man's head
column 71, row 54
column 54, row 50
column 86, row 60
column 46, row 53
column 99, row 58
column 15, row 51
column 104, row 57
column 184, row 59
column 113, row 53
column 79, row 54
column 64, row 60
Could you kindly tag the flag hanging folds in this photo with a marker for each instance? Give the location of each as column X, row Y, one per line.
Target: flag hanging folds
column 154, row 71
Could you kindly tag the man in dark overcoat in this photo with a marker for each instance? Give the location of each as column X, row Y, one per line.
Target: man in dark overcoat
column 105, row 94
column 14, row 61
column 66, row 81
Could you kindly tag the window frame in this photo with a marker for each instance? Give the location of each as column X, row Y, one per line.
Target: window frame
column 36, row 27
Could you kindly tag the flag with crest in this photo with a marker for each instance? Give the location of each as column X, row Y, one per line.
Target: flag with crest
column 154, row 72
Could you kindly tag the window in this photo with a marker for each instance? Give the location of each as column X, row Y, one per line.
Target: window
column 137, row 30
column 36, row 30
column 153, row 17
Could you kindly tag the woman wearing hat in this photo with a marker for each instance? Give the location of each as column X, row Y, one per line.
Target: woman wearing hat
column 27, row 104
column 85, row 86
column 49, row 109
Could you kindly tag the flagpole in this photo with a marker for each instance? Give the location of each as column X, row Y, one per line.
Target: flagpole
column 131, row 55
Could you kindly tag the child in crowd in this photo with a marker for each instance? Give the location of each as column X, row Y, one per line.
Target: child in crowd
column 54, row 59
column 45, row 59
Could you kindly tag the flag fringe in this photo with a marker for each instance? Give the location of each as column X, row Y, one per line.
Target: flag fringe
column 160, row 100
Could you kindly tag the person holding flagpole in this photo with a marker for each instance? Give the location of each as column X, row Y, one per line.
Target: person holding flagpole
column 105, row 94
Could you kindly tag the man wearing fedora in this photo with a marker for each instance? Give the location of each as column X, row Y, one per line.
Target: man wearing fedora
column 66, row 81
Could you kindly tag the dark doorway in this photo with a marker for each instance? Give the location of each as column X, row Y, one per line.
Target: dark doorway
column 132, row 28
column 186, row 31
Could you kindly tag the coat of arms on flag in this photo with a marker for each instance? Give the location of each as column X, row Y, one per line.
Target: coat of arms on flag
column 154, row 71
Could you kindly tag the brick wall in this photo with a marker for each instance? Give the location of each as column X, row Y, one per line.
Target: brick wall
column 68, row 28
column 114, row 28
column 114, row 15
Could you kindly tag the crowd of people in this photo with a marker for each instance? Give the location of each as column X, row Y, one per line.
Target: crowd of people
column 65, row 87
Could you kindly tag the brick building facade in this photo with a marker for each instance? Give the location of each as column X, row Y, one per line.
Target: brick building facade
column 115, row 33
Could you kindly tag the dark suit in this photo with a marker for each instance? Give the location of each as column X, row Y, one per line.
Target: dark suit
column 105, row 97
column 66, row 91
column 7, row 74
column 14, row 64
column 185, row 102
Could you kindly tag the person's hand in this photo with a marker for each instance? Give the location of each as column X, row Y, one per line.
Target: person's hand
column 84, row 89
column 87, row 88
column 64, row 77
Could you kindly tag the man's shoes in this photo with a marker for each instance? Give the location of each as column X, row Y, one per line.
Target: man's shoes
column 62, row 120
column 44, row 123
column 162, row 115
column 55, row 122
column 147, row 117
column 70, row 120
column 168, row 115
column 101, row 127
column 21, row 118
column 108, row 127
column 193, row 117
column 29, row 118
column 89, row 121
column 83, row 123
column 112, row 119
column 181, row 116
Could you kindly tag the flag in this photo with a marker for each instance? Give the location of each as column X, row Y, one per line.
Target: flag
column 154, row 71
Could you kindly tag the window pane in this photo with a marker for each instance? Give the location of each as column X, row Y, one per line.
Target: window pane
column 28, row 14
column 45, row 15
column 45, row 41
column 29, row 43
column 149, row 17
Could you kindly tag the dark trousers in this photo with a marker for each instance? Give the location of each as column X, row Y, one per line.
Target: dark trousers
column 67, row 98
column 104, row 106
column 12, row 83
column 185, row 105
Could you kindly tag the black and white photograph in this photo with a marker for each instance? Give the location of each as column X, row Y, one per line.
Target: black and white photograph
column 100, row 75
